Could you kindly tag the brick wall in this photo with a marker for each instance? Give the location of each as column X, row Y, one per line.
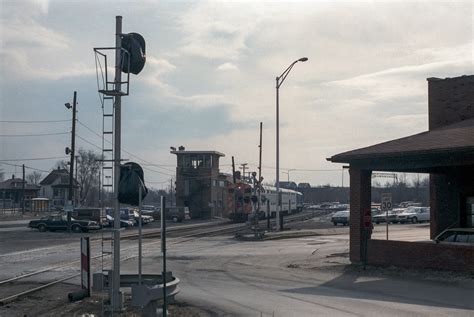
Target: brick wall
column 360, row 195
column 450, row 100
column 421, row 255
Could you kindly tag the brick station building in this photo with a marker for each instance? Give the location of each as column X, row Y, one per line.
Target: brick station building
column 199, row 184
column 446, row 152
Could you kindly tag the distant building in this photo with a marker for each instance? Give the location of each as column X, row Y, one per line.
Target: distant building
column 304, row 185
column 55, row 187
column 199, row 185
column 11, row 193
column 288, row 185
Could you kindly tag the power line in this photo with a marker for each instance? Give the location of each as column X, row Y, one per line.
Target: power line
column 94, row 132
column 88, row 142
column 28, row 135
column 125, row 151
column 29, row 167
column 34, row 159
column 33, row 121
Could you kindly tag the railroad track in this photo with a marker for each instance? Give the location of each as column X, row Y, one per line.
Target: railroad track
column 193, row 232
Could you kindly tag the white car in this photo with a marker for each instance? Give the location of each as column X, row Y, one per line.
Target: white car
column 414, row 215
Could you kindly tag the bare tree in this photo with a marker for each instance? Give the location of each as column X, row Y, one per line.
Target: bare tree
column 61, row 164
column 34, row 177
column 88, row 167
column 2, row 174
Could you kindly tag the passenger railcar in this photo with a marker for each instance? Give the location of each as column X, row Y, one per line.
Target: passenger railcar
column 242, row 200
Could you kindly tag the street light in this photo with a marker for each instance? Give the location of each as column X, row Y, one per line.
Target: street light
column 279, row 81
column 288, row 173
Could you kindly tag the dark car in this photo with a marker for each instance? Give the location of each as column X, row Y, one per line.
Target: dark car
column 176, row 214
column 123, row 223
column 95, row 214
column 126, row 217
column 341, row 217
column 59, row 222
column 456, row 236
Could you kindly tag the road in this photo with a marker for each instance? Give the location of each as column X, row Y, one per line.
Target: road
column 308, row 276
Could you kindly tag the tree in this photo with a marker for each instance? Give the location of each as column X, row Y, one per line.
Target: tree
column 88, row 167
column 34, row 177
column 2, row 174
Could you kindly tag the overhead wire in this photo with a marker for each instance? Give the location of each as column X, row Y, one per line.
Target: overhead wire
column 129, row 153
column 33, row 159
column 31, row 135
column 34, row 121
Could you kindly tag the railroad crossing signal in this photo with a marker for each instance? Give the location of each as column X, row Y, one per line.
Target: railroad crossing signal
column 386, row 203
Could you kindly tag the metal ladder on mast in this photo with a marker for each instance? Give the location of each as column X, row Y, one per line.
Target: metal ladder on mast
column 107, row 183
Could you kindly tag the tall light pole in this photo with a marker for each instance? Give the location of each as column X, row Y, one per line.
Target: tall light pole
column 288, row 173
column 279, row 81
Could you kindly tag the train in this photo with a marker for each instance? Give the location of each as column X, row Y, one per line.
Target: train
column 242, row 201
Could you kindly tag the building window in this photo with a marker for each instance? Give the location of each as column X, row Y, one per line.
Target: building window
column 186, row 187
column 470, row 212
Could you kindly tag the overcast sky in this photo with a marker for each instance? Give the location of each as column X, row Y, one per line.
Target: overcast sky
column 210, row 77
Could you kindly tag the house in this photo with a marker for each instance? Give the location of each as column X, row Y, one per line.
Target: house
column 55, row 187
column 11, row 192
column 446, row 152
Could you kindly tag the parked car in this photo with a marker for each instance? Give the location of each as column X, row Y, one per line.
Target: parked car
column 125, row 220
column 59, row 222
column 123, row 223
column 382, row 216
column 148, row 209
column 176, row 214
column 95, row 214
column 341, row 217
column 145, row 218
column 414, row 215
column 456, row 236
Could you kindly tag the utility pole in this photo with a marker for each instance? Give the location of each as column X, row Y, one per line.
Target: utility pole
column 234, row 207
column 117, row 302
column 233, row 170
column 243, row 166
column 171, row 192
column 23, row 191
column 259, row 167
column 71, row 162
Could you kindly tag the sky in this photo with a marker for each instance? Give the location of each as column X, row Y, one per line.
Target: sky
column 209, row 79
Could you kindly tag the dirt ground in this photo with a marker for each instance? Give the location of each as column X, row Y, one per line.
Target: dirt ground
column 54, row 302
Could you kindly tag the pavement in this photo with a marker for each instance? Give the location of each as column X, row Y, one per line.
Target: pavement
column 14, row 223
column 304, row 272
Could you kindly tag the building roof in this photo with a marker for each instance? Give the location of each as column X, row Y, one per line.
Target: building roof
column 454, row 138
column 197, row 152
column 8, row 184
column 54, row 175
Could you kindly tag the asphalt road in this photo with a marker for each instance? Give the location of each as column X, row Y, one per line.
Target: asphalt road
column 308, row 276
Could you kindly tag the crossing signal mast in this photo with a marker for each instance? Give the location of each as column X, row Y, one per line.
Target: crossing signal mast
column 130, row 57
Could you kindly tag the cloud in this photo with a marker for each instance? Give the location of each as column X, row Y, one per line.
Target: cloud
column 217, row 30
column 227, row 67
column 211, row 67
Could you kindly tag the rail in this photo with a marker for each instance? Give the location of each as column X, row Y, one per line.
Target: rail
column 201, row 231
